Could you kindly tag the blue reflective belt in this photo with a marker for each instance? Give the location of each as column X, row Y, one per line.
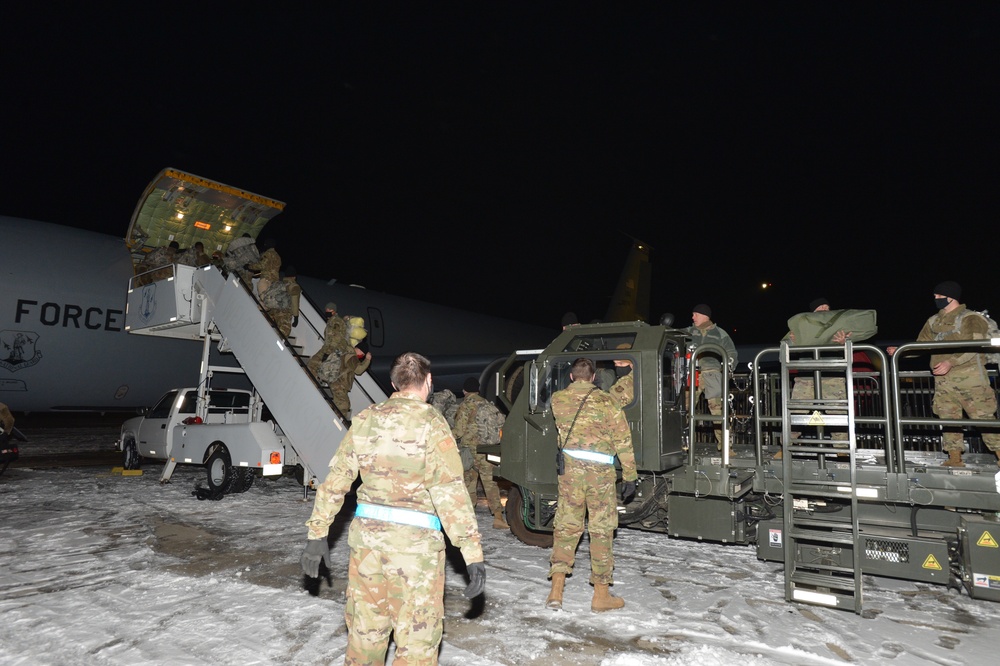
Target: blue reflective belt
column 590, row 455
column 394, row 515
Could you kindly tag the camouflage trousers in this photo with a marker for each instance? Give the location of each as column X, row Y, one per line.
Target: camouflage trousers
column 397, row 594
column 586, row 493
column 710, row 384
column 341, row 390
column 482, row 470
column 282, row 320
column 833, row 388
column 952, row 396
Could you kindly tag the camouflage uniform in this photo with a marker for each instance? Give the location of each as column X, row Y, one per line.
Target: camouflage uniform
column 283, row 317
column 240, row 256
column 269, row 264
column 350, row 365
column 710, row 376
column 194, row 256
column 624, row 389
column 587, row 488
column 161, row 256
column 482, row 469
column 966, row 386
column 407, row 459
column 334, row 340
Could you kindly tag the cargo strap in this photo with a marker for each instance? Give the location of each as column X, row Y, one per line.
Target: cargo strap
column 593, row 456
column 396, row 515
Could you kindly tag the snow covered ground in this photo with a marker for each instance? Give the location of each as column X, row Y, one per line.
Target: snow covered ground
column 100, row 568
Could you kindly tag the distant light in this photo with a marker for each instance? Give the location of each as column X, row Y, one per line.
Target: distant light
column 765, row 285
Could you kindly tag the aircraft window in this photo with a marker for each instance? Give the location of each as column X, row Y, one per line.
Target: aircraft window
column 162, row 408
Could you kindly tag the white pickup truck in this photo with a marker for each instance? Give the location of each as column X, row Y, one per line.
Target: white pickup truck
column 228, row 434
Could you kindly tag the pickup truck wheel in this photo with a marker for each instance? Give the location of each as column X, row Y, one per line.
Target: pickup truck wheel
column 130, row 455
column 515, row 518
column 220, row 471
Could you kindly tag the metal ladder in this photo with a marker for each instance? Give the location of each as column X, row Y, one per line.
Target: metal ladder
column 822, row 547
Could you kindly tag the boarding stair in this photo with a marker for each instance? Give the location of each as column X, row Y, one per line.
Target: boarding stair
column 822, row 542
column 204, row 304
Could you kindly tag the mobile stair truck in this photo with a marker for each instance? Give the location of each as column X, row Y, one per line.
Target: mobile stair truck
column 836, row 487
column 286, row 419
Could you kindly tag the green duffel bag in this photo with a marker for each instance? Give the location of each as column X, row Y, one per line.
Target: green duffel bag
column 817, row 328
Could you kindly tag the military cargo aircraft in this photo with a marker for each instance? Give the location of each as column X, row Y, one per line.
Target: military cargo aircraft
column 63, row 343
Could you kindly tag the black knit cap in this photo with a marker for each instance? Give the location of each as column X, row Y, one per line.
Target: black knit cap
column 569, row 319
column 949, row 288
column 815, row 303
column 471, row 385
column 701, row 308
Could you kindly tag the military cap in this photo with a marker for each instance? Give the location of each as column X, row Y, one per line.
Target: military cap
column 816, row 302
column 331, row 306
column 701, row 308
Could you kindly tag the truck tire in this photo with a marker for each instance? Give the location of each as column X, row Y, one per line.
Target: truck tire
column 130, row 455
column 243, row 479
column 515, row 518
column 220, row 471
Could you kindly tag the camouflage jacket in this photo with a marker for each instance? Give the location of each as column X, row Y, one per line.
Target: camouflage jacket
column 270, row 263
column 941, row 327
column 465, row 420
column 335, row 336
column 715, row 335
column 624, row 389
column 601, row 425
column 294, row 294
column 407, row 458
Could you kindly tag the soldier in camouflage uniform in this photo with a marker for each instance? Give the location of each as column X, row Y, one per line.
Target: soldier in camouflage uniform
column 7, row 421
column 241, row 257
column 268, row 265
column 592, row 430
column 286, row 318
column 411, row 487
column 334, row 339
column 960, row 379
column 705, row 331
column 160, row 258
column 194, row 256
column 352, row 364
column 482, row 469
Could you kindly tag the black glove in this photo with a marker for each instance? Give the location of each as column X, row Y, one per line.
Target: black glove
column 295, row 320
column 316, row 550
column 628, row 491
column 477, row 579
column 560, row 462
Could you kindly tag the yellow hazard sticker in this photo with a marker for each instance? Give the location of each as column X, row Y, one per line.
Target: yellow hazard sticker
column 816, row 419
column 987, row 540
column 931, row 563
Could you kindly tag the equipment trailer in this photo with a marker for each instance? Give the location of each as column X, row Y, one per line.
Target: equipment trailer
column 834, row 488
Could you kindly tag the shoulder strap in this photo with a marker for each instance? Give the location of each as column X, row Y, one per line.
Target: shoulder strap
column 575, row 417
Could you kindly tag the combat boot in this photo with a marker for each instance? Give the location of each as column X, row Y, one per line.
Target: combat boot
column 555, row 596
column 604, row 600
column 954, row 460
column 498, row 522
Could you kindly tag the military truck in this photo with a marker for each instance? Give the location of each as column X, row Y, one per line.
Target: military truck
column 832, row 486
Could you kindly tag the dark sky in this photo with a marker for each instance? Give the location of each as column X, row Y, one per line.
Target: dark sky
column 498, row 156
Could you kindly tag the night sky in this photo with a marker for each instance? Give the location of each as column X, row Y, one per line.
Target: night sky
column 500, row 156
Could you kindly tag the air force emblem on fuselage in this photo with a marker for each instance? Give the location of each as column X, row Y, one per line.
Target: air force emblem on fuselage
column 148, row 307
column 17, row 350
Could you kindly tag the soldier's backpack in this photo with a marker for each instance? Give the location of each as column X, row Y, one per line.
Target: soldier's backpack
column 489, row 422
column 446, row 403
column 276, row 296
column 329, row 369
column 992, row 331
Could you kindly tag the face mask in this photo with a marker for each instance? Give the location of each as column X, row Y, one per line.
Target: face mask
column 941, row 303
column 621, row 371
